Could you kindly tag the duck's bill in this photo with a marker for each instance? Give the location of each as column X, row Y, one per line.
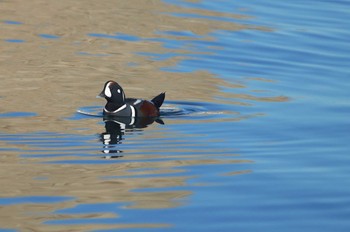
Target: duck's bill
column 101, row 95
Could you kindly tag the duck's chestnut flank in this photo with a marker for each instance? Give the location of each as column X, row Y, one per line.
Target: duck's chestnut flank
column 120, row 106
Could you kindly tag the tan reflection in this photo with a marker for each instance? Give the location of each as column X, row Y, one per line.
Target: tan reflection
column 50, row 78
column 109, row 183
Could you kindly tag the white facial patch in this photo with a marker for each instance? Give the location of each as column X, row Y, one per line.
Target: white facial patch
column 108, row 92
column 118, row 90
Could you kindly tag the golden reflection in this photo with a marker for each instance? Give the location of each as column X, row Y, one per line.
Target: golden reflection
column 52, row 78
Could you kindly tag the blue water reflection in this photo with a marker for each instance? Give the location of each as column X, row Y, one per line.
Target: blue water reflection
column 49, row 36
column 12, row 22
column 33, row 200
column 119, row 36
column 14, row 40
column 17, row 114
column 189, row 34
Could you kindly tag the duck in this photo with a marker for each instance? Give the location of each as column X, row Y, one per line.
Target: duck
column 119, row 106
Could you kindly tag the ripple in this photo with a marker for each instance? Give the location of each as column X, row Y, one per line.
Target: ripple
column 93, row 111
column 171, row 109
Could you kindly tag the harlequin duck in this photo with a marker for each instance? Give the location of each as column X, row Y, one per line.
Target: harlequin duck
column 119, row 106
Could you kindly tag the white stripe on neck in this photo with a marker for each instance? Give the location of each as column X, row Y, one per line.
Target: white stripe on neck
column 117, row 110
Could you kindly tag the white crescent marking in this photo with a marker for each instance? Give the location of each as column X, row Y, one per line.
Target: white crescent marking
column 107, row 90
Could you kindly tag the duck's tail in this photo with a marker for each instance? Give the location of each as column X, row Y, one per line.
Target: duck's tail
column 158, row 100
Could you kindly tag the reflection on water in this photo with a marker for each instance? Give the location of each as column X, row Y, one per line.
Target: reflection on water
column 111, row 138
column 115, row 129
column 62, row 180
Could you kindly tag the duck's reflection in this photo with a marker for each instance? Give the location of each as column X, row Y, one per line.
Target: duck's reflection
column 115, row 130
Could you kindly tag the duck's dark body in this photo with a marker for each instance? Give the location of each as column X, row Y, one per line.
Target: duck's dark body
column 118, row 105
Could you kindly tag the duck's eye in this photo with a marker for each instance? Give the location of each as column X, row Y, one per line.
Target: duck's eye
column 118, row 90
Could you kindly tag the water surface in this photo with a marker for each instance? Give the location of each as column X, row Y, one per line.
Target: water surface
column 253, row 135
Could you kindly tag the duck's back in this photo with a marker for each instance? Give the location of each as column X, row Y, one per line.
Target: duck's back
column 143, row 108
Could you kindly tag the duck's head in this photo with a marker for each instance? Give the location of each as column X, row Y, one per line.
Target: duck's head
column 113, row 93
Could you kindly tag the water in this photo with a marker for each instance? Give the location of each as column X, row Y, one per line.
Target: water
column 253, row 134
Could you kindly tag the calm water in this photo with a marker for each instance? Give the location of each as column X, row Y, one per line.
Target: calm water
column 262, row 144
